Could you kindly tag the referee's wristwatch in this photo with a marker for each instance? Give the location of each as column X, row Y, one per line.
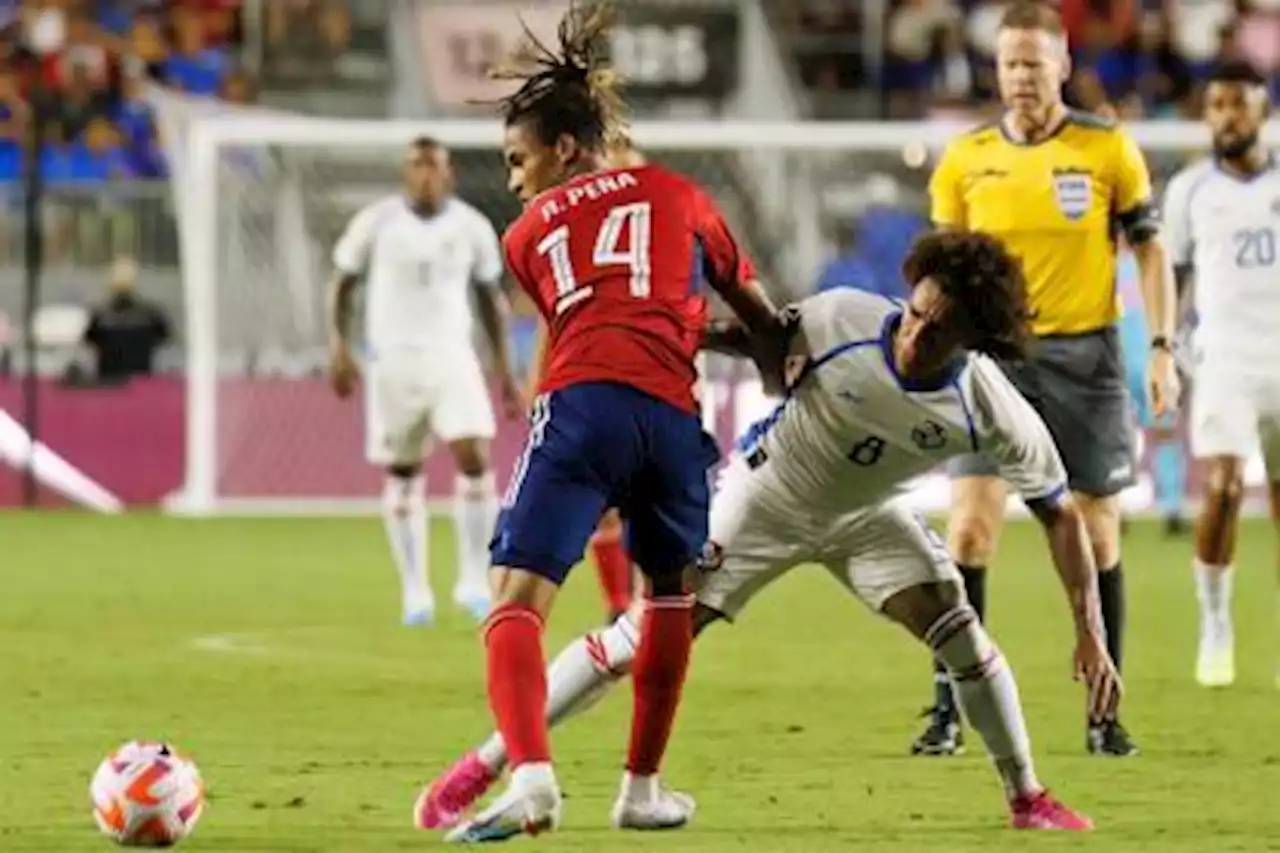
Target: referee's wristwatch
column 1161, row 342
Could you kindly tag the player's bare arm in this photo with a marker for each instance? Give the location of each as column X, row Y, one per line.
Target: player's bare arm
column 753, row 307
column 1184, row 282
column 1139, row 222
column 1159, row 290
column 343, row 371
column 727, row 337
column 762, row 335
column 730, row 273
column 1029, row 459
column 494, row 309
column 537, row 362
column 773, row 352
column 1072, row 553
column 1160, row 297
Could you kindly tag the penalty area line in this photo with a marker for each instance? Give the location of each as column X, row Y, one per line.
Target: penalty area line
column 257, row 646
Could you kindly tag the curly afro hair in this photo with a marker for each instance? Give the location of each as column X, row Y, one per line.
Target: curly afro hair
column 985, row 285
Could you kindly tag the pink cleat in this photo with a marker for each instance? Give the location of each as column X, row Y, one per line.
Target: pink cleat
column 446, row 800
column 1041, row 811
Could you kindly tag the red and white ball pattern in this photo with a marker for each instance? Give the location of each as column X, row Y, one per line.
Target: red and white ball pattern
column 146, row 794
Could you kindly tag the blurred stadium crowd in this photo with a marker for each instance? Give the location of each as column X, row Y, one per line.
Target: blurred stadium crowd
column 86, row 60
column 1145, row 56
column 895, row 58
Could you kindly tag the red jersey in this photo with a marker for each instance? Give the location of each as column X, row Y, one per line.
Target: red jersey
column 613, row 261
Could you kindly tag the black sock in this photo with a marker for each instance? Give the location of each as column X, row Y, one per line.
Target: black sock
column 1111, row 597
column 944, row 699
column 975, row 587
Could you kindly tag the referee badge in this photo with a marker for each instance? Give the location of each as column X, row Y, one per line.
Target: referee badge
column 1074, row 191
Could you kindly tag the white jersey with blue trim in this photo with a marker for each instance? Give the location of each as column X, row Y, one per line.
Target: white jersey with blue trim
column 852, row 432
column 1227, row 228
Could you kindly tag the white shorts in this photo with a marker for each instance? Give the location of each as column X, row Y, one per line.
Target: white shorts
column 411, row 396
column 874, row 553
column 1234, row 414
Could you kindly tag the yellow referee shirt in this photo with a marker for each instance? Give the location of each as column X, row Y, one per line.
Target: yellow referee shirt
column 1057, row 204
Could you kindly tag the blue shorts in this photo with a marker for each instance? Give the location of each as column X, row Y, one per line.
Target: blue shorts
column 599, row 445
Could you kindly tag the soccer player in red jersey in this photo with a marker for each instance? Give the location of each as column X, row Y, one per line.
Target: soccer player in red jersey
column 609, row 258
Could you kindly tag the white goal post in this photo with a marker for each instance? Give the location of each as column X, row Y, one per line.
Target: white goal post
column 261, row 196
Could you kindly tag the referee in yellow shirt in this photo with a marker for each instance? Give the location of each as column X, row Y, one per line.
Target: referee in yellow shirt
column 1057, row 186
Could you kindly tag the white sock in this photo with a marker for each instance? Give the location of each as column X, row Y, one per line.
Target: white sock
column 988, row 695
column 536, row 775
column 1213, row 589
column 404, row 513
column 578, row 678
column 639, row 789
column 475, row 511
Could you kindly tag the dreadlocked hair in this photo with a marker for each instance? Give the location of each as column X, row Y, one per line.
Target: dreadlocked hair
column 570, row 90
column 985, row 285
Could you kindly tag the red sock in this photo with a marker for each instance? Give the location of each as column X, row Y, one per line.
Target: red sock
column 657, row 674
column 518, row 681
column 613, row 565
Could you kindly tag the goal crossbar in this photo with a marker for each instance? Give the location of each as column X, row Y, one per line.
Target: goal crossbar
column 684, row 135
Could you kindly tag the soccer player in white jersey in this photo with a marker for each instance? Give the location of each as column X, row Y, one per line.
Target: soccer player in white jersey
column 422, row 254
column 1224, row 223
column 879, row 393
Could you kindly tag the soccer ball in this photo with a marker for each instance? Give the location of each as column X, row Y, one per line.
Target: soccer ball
column 146, row 794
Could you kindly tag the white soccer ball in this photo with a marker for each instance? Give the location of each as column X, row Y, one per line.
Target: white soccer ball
column 146, row 794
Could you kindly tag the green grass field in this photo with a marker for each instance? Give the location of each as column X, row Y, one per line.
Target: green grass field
column 270, row 650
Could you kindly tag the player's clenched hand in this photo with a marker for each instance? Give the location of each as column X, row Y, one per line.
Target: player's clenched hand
column 1095, row 668
column 1162, row 377
column 343, row 371
column 709, row 562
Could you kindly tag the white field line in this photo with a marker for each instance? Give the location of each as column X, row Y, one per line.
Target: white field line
column 267, row 647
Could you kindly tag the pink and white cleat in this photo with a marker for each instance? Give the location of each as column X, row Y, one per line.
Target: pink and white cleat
column 1042, row 811
column 445, row 801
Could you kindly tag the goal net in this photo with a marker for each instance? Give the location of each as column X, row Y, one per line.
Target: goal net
column 262, row 197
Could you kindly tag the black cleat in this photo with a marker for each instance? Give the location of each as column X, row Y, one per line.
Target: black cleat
column 943, row 736
column 1110, row 738
column 1175, row 526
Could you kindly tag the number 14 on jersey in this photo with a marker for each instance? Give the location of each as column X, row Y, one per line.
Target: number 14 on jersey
column 636, row 221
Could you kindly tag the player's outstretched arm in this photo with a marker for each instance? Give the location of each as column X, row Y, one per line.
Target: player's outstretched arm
column 770, row 352
column 727, row 337
column 729, row 270
column 1072, row 551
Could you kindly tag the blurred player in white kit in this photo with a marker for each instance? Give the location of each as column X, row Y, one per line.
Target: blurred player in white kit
column 1223, row 218
column 422, row 254
column 877, row 394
